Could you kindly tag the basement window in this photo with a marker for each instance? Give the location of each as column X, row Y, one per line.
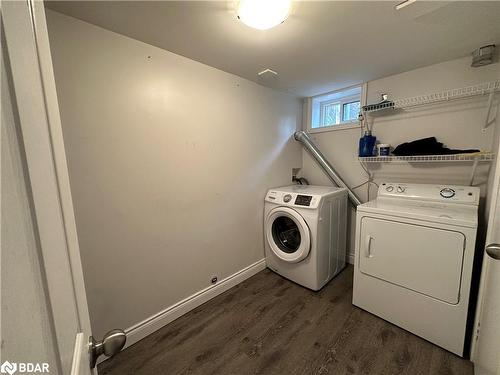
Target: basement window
column 335, row 109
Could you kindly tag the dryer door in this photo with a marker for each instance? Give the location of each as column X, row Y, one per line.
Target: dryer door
column 288, row 234
column 424, row 259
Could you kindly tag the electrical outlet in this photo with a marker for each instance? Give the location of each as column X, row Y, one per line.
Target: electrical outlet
column 295, row 172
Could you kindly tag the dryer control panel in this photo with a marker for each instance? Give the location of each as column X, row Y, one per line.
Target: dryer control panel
column 426, row 192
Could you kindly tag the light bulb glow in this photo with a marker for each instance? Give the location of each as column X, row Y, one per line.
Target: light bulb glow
column 263, row 14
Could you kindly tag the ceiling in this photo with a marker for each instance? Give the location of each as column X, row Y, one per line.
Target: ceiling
column 322, row 46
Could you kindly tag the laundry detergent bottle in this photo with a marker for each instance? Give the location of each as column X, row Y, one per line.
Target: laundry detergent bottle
column 367, row 144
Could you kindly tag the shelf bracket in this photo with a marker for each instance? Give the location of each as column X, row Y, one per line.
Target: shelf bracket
column 490, row 104
column 473, row 171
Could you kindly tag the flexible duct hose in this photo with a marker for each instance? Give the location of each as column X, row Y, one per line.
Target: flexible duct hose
column 302, row 137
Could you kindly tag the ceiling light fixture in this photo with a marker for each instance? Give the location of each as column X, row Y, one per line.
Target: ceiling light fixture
column 404, row 4
column 263, row 14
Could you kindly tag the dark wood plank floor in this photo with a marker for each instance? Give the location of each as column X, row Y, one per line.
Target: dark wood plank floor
column 269, row 325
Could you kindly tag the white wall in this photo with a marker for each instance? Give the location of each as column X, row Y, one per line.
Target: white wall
column 457, row 124
column 169, row 161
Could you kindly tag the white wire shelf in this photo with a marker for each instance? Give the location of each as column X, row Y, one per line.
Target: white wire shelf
column 475, row 157
column 438, row 97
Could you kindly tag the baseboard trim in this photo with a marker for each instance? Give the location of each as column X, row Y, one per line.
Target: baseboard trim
column 350, row 258
column 153, row 323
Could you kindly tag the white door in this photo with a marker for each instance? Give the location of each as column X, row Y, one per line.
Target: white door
column 45, row 319
column 287, row 234
column 486, row 345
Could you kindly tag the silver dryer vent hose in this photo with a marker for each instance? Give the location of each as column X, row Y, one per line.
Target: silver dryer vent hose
column 302, row 137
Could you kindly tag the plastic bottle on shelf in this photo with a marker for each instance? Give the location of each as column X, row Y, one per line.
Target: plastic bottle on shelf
column 367, row 144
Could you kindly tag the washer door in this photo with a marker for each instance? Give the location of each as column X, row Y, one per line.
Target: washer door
column 288, row 234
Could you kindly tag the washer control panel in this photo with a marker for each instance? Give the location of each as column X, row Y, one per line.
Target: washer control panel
column 436, row 193
column 293, row 199
column 303, row 200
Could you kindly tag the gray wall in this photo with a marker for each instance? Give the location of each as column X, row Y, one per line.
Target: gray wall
column 458, row 124
column 169, row 161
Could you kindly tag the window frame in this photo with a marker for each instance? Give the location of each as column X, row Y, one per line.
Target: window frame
column 322, row 111
column 342, row 125
column 343, row 104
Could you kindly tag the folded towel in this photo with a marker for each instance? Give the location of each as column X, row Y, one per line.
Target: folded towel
column 427, row 146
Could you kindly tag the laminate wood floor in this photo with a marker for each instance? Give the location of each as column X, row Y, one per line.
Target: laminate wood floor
column 269, row 325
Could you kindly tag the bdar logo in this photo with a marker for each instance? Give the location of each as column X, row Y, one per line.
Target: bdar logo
column 8, row 368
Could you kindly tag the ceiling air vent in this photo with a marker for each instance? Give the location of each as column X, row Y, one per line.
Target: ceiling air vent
column 483, row 55
column 267, row 73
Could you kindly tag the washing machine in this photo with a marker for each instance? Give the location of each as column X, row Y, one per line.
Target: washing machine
column 413, row 259
column 305, row 233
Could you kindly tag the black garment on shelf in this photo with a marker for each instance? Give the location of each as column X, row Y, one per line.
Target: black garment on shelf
column 427, row 146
